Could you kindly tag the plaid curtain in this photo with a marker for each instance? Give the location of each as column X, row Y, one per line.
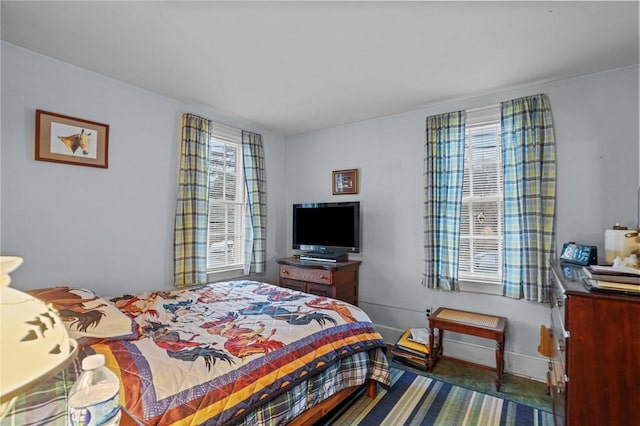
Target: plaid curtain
column 256, row 223
column 443, row 177
column 529, row 156
column 192, row 210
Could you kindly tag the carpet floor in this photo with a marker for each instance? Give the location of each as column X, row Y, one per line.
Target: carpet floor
column 514, row 388
column 416, row 399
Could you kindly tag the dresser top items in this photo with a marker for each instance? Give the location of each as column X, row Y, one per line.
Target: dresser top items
column 575, row 279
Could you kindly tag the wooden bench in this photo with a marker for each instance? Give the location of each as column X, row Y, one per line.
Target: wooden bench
column 471, row 323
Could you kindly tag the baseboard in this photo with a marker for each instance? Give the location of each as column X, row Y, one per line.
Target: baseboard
column 531, row 367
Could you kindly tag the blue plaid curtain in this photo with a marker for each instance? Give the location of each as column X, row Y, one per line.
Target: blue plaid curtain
column 192, row 210
column 529, row 156
column 256, row 223
column 443, row 177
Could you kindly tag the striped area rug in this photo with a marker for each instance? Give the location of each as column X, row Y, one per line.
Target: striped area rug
column 419, row 400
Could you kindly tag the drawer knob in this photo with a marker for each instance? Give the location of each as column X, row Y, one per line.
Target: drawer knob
column 285, row 272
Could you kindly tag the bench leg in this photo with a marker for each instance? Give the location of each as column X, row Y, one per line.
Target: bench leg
column 499, row 361
column 431, row 356
column 435, row 347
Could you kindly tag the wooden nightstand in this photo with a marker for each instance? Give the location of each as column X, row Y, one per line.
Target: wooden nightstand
column 337, row 280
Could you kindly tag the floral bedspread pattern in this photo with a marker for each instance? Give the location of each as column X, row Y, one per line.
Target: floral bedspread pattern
column 213, row 353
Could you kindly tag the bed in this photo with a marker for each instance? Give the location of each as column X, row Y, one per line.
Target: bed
column 229, row 353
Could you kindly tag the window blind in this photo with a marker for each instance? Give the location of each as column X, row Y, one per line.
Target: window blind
column 226, row 200
column 481, row 227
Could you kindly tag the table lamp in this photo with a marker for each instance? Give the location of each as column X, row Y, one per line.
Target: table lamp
column 35, row 344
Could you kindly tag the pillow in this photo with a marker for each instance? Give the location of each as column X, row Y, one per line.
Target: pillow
column 87, row 317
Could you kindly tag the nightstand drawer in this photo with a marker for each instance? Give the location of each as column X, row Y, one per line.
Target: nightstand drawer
column 335, row 280
column 320, row 290
column 321, row 276
column 293, row 284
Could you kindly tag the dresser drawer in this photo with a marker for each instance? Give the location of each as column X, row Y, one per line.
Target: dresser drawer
column 558, row 329
column 560, row 336
column 321, row 290
column 557, row 298
column 321, row 276
column 558, row 399
column 337, row 281
column 293, row 284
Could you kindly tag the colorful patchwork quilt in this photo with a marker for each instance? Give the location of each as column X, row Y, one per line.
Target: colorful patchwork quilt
column 213, row 354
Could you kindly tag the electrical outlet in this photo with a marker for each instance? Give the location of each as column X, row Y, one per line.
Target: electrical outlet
column 429, row 311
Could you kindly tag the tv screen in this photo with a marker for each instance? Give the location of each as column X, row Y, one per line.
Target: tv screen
column 327, row 227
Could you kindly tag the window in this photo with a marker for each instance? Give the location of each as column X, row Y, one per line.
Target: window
column 481, row 226
column 227, row 209
column 489, row 209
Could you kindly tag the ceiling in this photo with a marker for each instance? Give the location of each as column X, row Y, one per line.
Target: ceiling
column 294, row 67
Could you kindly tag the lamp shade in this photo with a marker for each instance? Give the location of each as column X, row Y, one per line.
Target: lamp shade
column 35, row 344
column 7, row 265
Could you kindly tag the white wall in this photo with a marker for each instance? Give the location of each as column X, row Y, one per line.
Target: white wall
column 596, row 123
column 110, row 230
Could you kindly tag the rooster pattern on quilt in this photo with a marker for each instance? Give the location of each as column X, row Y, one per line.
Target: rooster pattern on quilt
column 243, row 319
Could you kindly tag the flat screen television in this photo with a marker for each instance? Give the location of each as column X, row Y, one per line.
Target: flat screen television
column 327, row 227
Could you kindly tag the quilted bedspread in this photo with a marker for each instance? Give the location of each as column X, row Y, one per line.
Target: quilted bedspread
column 212, row 354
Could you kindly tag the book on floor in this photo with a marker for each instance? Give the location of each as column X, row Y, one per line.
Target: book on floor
column 413, row 361
column 419, row 335
column 419, row 359
column 406, row 345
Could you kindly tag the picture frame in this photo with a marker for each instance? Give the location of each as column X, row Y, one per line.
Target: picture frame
column 70, row 140
column 345, row 181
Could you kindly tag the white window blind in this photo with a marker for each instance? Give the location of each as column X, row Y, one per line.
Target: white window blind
column 226, row 200
column 481, row 227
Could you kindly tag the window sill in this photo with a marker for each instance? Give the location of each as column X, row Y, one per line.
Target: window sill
column 480, row 287
column 228, row 274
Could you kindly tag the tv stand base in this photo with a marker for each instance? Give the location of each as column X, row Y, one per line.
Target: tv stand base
column 325, row 257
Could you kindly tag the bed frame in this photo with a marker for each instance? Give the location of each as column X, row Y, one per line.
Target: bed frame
column 317, row 412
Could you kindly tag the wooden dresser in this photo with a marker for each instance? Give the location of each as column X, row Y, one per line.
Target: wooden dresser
column 594, row 370
column 337, row 280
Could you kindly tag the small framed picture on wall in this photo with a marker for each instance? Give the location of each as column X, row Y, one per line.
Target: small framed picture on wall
column 70, row 140
column 345, row 181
